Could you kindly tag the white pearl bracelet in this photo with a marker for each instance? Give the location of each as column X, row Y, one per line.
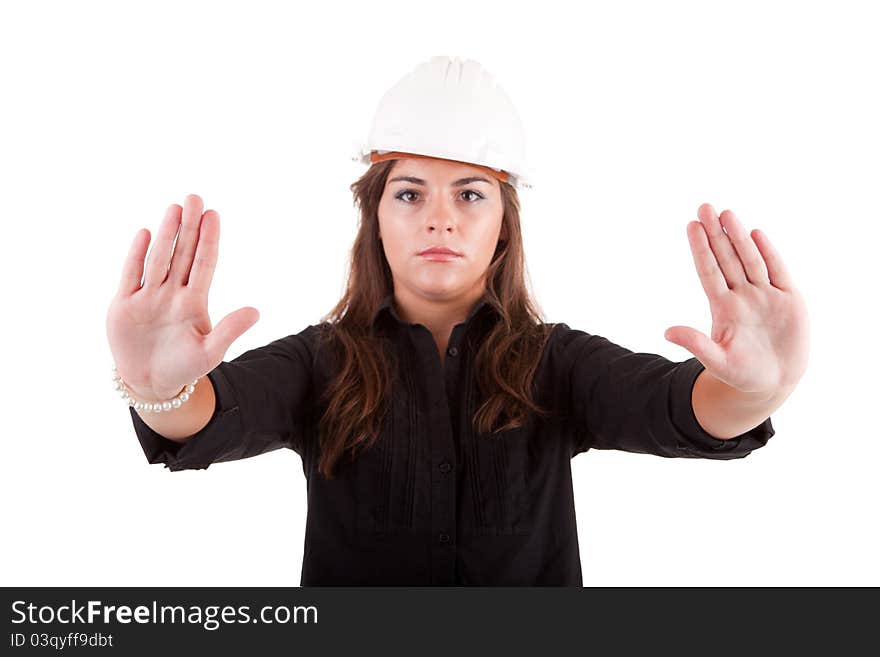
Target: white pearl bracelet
column 155, row 407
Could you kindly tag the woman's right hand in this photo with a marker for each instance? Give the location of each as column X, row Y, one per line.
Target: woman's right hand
column 159, row 331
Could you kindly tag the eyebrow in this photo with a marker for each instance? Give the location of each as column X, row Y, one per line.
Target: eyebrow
column 457, row 183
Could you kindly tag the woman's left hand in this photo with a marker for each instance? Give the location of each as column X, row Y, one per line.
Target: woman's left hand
column 760, row 327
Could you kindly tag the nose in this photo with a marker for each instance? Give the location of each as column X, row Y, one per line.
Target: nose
column 441, row 214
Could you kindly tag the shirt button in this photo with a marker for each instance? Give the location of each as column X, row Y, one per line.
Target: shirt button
column 445, row 467
column 452, row 351
column 444, row 538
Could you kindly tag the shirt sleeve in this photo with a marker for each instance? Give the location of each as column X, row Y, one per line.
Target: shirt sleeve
column 638, row 402
column 261, row 398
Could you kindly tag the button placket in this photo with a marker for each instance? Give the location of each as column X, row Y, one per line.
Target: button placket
column 441, row 445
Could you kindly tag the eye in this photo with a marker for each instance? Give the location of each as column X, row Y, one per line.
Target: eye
column 400, row 196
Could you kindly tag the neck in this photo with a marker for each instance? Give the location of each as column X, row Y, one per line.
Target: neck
column 439, row 316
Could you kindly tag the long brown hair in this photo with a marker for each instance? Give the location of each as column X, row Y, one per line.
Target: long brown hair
column 358, row 397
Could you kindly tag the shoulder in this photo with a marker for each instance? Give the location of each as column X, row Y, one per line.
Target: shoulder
column 309, row 337
column 302, row 347
column 567, row 346
column 564, row 338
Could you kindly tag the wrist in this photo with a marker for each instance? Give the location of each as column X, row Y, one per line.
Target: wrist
column 151, row 396
column 150, row 400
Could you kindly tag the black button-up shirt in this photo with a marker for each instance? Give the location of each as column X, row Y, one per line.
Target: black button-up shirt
column 431, row 504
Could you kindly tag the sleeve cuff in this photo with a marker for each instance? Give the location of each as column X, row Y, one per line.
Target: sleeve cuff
column 204, row 447
column 693, row 440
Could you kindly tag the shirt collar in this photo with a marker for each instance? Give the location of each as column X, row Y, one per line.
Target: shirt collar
column 387, row 305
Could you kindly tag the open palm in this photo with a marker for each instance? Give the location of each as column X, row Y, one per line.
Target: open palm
column 159, row 331
column 760, row 326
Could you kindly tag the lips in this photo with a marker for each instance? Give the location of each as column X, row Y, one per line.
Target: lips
column 439, row 250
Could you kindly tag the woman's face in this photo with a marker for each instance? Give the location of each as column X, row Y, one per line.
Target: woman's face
column 432, row 202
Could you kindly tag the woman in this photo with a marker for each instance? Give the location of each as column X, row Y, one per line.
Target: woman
column 435, row 413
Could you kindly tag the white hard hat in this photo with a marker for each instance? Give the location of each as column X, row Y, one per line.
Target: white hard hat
column 449, row 109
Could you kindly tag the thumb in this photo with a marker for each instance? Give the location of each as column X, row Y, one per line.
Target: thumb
column 707, row 352
column 229, row 330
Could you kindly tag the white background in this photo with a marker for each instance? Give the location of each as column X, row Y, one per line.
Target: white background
column 636, row 113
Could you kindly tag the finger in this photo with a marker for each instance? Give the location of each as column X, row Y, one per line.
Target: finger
column 711, row 277
column 205, row 259
column 133, row 269
column 777, row 271
column 160, row 252
column 229, row 329
column 707, row 351
column 746, row 250
column 728, row 260
column 185, row 247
